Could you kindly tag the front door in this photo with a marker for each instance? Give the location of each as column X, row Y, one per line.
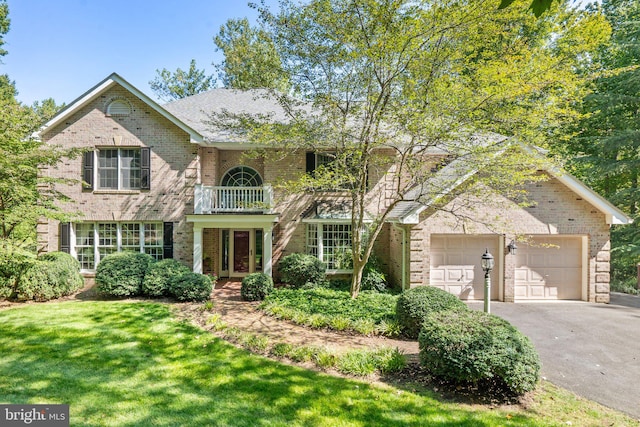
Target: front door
column 242, row 254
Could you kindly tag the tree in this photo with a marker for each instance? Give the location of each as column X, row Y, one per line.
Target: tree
column 26, row 194
column 250, row 57
column 604, row 148
column 4, row 24
column 170, row 86
column 537, row 6
column 46, row 109
column 390, row 81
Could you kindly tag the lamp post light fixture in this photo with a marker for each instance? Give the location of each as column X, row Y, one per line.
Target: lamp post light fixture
column 512, row 247
column 487, row 266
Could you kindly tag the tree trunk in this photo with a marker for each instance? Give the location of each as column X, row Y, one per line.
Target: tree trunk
column 356, row 279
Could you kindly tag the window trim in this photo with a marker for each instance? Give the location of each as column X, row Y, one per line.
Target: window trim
column 144, row 168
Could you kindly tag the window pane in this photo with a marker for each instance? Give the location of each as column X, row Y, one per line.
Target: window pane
column 108, row 168
column 312, row 240
column 153, row 240
column 131, row 237
column 84, row 246
column 86, row 258
column 107, row 235
column 84, row 234
column 336, row 242
column 130, row 168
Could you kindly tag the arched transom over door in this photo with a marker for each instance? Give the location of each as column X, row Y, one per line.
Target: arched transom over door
column 241, row 176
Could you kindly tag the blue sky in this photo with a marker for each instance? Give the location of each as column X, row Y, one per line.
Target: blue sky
column 61, row 48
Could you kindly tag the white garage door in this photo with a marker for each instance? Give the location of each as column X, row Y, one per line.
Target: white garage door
column 455, row 264
column 549, row 267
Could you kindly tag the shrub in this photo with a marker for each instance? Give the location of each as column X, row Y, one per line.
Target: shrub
column 473, row 346
column 51, row 276
column 120, row 274
column 372, row 277
column 38, row 282
column 256, row 286
column 299, row 269
column 68, row 269
column 414, row 304
column 159, row 275
column 191, row 287
column 14, row 260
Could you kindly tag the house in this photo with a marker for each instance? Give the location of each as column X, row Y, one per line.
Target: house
column 158, row 180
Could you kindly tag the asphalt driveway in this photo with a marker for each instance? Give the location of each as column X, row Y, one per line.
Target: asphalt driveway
column 590, row 349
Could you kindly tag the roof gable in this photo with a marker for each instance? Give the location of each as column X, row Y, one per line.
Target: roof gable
column 408, row 211
column 103, row 86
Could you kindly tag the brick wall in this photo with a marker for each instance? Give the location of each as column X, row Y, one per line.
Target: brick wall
column 556, row 210
column 174, row 169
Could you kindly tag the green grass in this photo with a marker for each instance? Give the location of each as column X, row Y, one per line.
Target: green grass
column 370, row 313
column 134, row 364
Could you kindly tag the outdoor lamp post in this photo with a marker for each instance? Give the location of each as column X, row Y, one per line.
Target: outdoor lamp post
column 487, row 266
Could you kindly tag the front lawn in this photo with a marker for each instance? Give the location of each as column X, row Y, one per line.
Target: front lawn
column 126, row 364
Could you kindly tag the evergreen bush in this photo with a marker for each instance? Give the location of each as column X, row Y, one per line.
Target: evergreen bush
column 297, row 270
column 256, row 286
column 121, row 274
column 157, row 281
column 414, row 304
column 473, row 346
column 51, row 276
column 191, row 287
column 69, row 270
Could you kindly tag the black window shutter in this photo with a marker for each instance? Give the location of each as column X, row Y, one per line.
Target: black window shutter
column 145, row 168
column 87, row 170
column 311, row 162
column 65, row 237
column 167, row 250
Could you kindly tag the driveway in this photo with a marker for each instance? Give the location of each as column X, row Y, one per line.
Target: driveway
column 590, row 349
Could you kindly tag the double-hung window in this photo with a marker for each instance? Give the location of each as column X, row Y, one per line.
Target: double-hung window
column 119, row 169
column 331, row 244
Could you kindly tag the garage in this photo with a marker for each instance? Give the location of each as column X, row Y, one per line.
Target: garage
column 549, row 268
column 455, row 264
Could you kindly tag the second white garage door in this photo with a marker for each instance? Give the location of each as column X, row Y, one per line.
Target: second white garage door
column 455, row 264
column 549, row 268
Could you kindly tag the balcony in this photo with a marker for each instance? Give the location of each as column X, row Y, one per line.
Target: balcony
column 211, row 200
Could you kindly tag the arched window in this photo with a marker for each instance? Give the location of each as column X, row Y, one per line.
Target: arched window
column 241, row 176
column 119, row 107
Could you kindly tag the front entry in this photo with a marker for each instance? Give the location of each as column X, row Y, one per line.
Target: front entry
column 241, row 252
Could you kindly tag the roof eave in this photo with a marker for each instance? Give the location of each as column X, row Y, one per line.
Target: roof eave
column 613, row 215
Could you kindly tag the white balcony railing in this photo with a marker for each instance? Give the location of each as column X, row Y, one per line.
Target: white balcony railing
column 210, row 199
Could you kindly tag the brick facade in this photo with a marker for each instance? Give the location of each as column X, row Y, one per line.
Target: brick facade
column 178, row 164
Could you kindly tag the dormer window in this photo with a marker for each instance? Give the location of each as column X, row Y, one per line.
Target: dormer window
column 119, row 107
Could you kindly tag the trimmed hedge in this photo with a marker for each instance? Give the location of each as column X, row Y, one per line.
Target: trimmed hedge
column 120, row 274
column 69, row 270
column 473, row 346
column 191, row 287
column 157, row 281
column 51, row 276
column 256, row 286
column 297, row 270
column 416, row 303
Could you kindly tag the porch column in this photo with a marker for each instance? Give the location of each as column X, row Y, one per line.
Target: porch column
column 197, row 248
column 267, row 250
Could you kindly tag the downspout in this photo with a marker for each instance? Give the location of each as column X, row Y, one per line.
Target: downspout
column 404, row 254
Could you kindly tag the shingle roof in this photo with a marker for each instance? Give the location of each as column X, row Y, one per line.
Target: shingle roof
column 196, row 110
